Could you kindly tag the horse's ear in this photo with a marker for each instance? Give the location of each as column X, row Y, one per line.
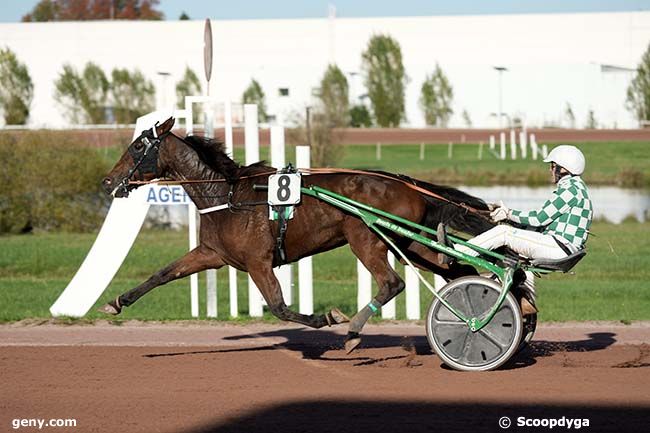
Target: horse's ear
column 166, row 126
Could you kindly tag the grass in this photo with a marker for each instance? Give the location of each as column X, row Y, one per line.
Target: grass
column 624, row 164
column 611, row 283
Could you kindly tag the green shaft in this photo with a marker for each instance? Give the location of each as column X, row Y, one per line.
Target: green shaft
column 373, row 218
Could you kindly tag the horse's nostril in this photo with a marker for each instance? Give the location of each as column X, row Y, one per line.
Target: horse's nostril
column 107, row 181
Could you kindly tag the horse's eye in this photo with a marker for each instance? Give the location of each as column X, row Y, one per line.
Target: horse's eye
column 138, row 145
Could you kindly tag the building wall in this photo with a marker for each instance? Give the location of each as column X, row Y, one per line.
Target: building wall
column 553, row 59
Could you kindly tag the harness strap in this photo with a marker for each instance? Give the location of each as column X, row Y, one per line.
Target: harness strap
column 214, row 208
column 481, row 213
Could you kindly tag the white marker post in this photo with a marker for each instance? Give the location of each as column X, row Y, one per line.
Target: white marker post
column 283, row 273
column 364, row 286
column 211, row 274
column 492, row 142
column 544, row 151
column 305, row 275
column 513, row 145
column 502, row 145
column 388, row 310
column 252, row 149
column 523, row 144
column 533, row 146
column 232, row 272
column 412, row 293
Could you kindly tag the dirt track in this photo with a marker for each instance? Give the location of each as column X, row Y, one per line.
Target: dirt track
column 259, row 378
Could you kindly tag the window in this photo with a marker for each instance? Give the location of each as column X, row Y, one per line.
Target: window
column 283, row 91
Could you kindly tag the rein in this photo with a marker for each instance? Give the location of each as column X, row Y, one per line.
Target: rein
column 481, row 213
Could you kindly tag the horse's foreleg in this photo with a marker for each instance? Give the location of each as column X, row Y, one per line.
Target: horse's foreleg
column 199, row 259
column 270, row 288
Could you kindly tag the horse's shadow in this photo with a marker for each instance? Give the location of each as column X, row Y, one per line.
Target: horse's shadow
column 314, row 345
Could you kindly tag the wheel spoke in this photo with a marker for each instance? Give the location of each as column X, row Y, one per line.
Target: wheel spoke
column 490, row 337
column 451, row 322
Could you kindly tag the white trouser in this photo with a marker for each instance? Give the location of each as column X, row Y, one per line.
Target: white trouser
column 527, row 243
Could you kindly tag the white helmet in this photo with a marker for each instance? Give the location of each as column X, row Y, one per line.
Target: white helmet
column 568, row 157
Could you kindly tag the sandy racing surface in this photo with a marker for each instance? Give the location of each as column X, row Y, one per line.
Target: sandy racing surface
column 261, row 378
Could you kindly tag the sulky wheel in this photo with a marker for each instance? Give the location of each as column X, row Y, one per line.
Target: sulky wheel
column 452, row 340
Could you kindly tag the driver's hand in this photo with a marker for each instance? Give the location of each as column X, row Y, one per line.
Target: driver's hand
column 500, row 213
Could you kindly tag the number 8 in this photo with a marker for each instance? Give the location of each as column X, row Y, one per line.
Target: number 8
column 283, row 188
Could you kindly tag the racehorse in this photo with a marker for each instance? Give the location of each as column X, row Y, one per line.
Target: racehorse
column 242, row 235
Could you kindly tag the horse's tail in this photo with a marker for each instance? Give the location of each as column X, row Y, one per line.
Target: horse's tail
column 459, row 212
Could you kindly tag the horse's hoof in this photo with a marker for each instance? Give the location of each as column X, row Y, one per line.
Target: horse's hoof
column 338, row 317
column 111, row 308
column 352, row 344
column 352, row 341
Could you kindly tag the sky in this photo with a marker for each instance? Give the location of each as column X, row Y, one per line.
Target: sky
column 13, row 10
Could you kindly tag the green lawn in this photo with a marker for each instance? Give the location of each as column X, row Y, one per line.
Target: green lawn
column 611, row 283
column 607, row 163
column 625, row 164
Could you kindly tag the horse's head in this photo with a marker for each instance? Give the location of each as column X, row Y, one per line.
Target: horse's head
column 140, row 161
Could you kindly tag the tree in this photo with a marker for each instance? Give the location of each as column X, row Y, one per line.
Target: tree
column 82, row 10
column 385, row 79
column 360, row 117
column 133, row 95
column 184, row 16
column 334, row 97
column 638, row 92
column 467, row 119
column 16, row 88
column 570, row 117
column 187, row 86
column 45, row 10
column 331, row 113
column 591, row 120
column 435, row 98
column 255, row 95
column 83, row 95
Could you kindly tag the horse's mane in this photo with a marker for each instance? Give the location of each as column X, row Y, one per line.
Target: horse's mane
column 213, row 153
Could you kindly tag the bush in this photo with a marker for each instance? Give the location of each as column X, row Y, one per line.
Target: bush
column 50, row 182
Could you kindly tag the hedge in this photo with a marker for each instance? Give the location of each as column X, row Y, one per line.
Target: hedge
column 50, row 181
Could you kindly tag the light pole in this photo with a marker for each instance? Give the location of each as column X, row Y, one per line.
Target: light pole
column 501, row 69
column 163, row 94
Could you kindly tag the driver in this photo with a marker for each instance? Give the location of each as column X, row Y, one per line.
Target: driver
column 560, row 228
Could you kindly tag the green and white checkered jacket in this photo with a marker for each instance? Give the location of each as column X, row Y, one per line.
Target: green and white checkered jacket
column 566, row 215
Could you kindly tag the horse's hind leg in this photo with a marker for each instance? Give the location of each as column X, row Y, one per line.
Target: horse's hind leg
column 373, row 254
column 199, row 259
column 269, row 286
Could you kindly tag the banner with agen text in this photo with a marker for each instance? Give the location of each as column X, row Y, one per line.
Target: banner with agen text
column 166, row 195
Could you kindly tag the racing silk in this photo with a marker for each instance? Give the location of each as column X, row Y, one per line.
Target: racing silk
column 566, row 215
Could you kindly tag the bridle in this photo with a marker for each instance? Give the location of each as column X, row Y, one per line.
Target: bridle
column 145, row 158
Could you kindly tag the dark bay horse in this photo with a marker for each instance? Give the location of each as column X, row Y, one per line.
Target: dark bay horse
column 246, row 238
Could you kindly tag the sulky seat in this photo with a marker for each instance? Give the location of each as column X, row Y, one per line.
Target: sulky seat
column 564, row 265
